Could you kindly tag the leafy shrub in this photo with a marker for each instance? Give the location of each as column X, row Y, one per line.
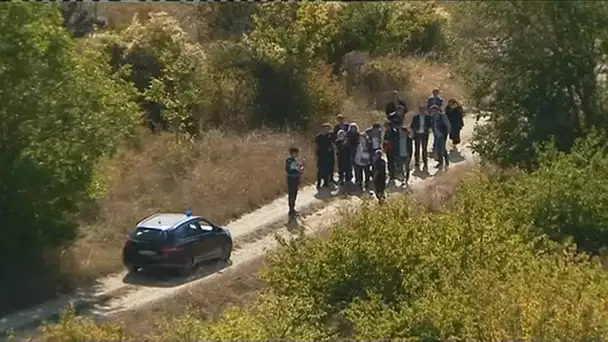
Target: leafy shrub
column 535, row 62
column 566, row 196
column 168, row 70
column 60, row 113
column 400, row 272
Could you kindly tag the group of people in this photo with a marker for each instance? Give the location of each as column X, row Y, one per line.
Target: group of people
column 361, row 153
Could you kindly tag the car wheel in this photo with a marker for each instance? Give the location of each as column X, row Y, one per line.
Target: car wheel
column 189, row 268
column 226, row 253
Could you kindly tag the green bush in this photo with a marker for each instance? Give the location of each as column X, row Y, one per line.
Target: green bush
column 566, row 196
column 168, row 70
column 60, row 112
column 535, row 63
column 399, row 272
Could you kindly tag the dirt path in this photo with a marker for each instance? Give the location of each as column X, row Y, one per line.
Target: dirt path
column 253, row 235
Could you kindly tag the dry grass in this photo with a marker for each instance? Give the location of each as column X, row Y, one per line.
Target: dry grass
column 221, row 176
column 427, row 75
column 241, row 286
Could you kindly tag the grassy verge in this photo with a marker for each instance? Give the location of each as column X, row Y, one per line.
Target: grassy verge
column 221, row 175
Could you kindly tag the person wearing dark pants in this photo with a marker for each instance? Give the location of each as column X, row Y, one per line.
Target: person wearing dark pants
column 455, row 114
column 421, row 127
column 394, row 102
column 391, row 148
column 379, row 175
column 325, row 156
column 294, row 171
column 434, row 100
column 362, row 163
column 344, row 158
column 441, row 128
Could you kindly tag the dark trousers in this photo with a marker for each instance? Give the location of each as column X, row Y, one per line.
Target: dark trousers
column 403, row 167
column 421, row 142
column 345, row 175
column 391, row 163
column 363, row 175
column 441, row 151
column 325, row 170
column 292, row 192
column 380, row 187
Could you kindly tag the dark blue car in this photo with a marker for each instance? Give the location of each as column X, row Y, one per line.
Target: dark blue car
column 176, row 241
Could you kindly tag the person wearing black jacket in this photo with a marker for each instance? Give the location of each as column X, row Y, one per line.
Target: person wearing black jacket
column 397, row 117
column 341, row 125
column 421, row 127
column 379, row 175
column 325, row 156
column 391, row 148
column 455, row 114
column 343, row 153
column 294, row 170
column 391, row 107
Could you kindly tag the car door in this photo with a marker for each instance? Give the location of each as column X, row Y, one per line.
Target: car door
column 189, row 235
column 214, row 242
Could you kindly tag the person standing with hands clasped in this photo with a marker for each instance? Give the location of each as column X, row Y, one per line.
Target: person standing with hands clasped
column 441, row 128
column 294, row 169
column 455, row 114
column 421, row 127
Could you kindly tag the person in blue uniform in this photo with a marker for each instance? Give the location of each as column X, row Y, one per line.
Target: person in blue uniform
column 294, row 169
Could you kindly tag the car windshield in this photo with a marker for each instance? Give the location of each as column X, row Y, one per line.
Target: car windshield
column 148, row 234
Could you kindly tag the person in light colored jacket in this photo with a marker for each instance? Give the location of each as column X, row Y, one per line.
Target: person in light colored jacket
column 362, row 163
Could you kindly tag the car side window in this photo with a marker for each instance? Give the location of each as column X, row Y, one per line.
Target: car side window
column 206, row 225
column 193, row 229
column 189, row 230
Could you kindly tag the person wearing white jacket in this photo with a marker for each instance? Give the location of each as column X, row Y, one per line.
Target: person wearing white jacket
column 363, row 163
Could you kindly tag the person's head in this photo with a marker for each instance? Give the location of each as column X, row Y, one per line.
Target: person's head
column 325, row 128
column 436, row 92
column 294, row 151
column 376, row 126
column 452, row 103
column 394, row 96
column 353, row 128
column 434, row 110
column 340, row 119
column 341, row 134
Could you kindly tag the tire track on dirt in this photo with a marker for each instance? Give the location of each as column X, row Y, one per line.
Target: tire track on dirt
column 253, row 235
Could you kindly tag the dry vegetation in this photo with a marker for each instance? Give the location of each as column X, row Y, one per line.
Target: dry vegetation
column 221, row 175
column 241, row 286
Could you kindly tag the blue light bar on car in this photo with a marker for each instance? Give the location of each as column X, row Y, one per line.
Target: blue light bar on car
column 188, row 212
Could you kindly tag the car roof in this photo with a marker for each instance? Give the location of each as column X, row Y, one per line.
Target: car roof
column 165, row 221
